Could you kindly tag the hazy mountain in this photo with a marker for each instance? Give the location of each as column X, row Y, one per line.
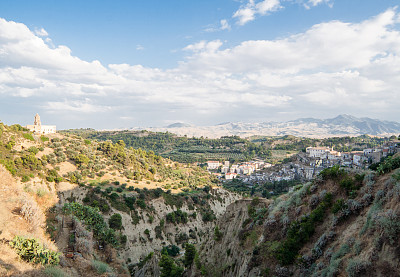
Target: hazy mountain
column 342, row 125
column 179, row 125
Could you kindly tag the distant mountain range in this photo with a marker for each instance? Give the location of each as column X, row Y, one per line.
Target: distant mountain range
column 342, row 125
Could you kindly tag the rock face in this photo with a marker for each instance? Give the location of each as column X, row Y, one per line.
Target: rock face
column 357, row 233
column 139, row 244
column 227, row 255
column 342, row 125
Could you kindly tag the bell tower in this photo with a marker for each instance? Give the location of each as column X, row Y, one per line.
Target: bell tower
column 37, row 120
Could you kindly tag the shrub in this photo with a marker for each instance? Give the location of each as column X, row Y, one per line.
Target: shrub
column 388, row 165
column 177, row 217
column 190, row 254
column 168, row 267
column 93, row 220
column 333, row 173
column 217, row 234
column 115, row 221
column 31, row 251
column 172, row 250
column 357, row 267
column 55, row 272
column 300, row 231
column 28, row 136
column 32, row 213
column 44, row 139
column 338, row 206
column 101, row 267
column 33, row 150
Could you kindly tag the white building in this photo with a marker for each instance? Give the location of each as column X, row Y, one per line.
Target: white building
column 213, row 164
column 230, row 176
column 38, row 128
column 317, row 152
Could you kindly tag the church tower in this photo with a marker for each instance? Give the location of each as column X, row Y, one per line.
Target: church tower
column 37, row 120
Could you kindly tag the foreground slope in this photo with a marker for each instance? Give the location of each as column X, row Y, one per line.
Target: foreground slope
column 344, row 224
column 94, row 208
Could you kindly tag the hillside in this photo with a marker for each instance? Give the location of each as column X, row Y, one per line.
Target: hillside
column 76, row 207
column 95, row 207
column 273, row 149
column 343, row 224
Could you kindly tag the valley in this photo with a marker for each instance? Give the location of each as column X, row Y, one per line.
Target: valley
column 105, row 208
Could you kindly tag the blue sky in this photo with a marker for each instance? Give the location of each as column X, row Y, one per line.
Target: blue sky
column 117, row 64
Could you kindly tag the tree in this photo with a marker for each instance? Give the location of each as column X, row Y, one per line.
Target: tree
column 190, row 253
column 81, row 159
column 168, row 267
column 115, row 222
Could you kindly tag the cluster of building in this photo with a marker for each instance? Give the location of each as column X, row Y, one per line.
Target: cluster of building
column 325, row 156
column 305, row 166
column 232, row 171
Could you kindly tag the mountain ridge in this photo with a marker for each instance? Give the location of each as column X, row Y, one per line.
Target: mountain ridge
column 341, row 125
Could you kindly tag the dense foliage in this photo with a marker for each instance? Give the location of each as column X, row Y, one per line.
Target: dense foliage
column 32, row 251
column 93, row 220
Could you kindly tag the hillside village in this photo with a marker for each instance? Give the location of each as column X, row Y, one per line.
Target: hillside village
column 302, row 166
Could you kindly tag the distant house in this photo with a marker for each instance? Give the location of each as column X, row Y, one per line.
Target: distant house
column 213, row 164
column 317, row 152
column 230, row 176
column 38, row 128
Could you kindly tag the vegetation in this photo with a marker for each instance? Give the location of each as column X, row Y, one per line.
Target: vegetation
column 300, row 232
column 115, row 222
column 32, row 251
column 93, row 220
column 190, row 254
column 177, row 217
column 168, row 266
column 101, row 267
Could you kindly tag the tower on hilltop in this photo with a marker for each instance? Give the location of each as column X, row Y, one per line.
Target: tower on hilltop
column 36, row 122
column 38, row 128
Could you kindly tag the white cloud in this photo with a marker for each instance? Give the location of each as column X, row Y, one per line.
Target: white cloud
column 224, row 25
column 84, row 106
column 326, row 70
column 139, row 47
column 41, row 32
column 248, row 12
column 313, row 3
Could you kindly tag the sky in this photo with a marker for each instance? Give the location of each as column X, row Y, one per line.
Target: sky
column 107, row 64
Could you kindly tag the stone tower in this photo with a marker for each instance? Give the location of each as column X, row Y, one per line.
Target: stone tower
column 37, row 120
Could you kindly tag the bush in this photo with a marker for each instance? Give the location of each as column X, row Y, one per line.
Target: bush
column 172, row 250
column 55, row 272
column 333, row 173
column 28, row 136
column 32, row 213
column 357, row 267
column 338, row 206
column 101, row 267
column 217, row 234
column 388, row 165
column 115, row 221
column 93, row 220
column 31, row 251
column 177, row 217
column 300, row 232
column 168, row 267
column 190, row 254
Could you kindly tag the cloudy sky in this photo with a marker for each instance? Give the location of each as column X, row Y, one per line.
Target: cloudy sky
column 120, row 64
